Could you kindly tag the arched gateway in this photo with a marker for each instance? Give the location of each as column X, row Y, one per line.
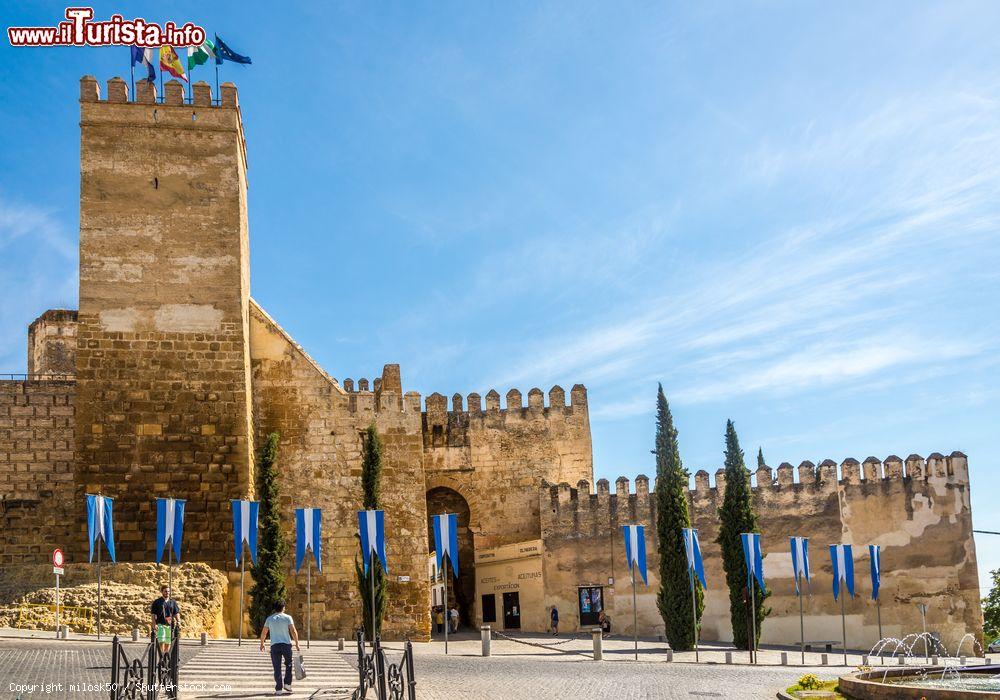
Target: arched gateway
column 461, row 591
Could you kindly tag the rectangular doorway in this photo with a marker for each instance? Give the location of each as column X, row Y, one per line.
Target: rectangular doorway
column 591, row 604
column 489, row 608
column 511, row 611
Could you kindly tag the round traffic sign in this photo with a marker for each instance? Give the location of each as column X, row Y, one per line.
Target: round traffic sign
column 57, row 557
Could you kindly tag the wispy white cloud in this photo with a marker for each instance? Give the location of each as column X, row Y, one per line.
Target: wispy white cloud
column 835, row 300
column 38, row 270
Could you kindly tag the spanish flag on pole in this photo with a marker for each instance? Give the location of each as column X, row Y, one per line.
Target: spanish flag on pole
column 171, row 62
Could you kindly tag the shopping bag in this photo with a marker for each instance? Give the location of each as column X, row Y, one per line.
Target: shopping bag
column 300, row 669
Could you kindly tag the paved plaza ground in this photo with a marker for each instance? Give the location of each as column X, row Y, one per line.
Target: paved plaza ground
column 559, row 668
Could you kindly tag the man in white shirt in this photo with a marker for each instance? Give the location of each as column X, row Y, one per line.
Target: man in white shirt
column 282, row 629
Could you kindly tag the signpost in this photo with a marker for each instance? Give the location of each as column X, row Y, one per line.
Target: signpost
column 57, row 569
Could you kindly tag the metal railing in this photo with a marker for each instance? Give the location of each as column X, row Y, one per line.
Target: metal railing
column 75, row 617
column 150, row 676
column 389, row 681
column 36, row 376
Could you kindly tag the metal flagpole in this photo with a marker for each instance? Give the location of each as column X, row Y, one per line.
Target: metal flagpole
column 694, row 613
column 217, row 93
column 309, row 624
column 243, row 561
column 170, row 571
column 371, row 576
column 843, row 622
column 802, row 623
column 878, row 613
column 446, row 609
column 753, row 622
column 100, row 540
column 131, row 71
column 635, row 616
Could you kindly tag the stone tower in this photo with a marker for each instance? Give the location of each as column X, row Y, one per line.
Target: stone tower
column 163, row 384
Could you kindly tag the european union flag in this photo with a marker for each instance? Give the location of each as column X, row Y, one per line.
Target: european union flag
column 224, row 53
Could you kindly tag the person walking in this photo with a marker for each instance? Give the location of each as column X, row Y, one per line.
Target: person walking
column 453, row 614
column 555, row 620
column 166, row 614
column 281, row 627
column 439, row 619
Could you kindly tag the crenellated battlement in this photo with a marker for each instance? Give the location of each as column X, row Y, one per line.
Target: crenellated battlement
column 806, row 478
column 474, row 405
column 146, row 94
column 382, row 395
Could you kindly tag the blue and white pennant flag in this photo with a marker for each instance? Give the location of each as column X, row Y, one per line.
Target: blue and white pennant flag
column 754, row 558
column 371, row 529
column 307, row 535
column 693, row 550
column 145, row 57
column 245, row 528
column 169, row 526
column 800, row 560
column 635, row 549
column 446, row 539
column 875, row 558
column 843, row 568
column 99, row 523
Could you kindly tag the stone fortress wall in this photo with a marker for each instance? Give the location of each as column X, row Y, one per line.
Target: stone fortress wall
column 917, row 510
column 170, row 374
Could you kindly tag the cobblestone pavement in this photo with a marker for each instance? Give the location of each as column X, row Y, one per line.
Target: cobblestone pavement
column 33, row 669
column 566, row 670
column 495, row 678
column 543, row 668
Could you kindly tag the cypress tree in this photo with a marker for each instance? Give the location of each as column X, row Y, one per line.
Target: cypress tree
column 674, row 596
column 760, row 457
column 371, row 483
column 736, row 517
column 269, row 571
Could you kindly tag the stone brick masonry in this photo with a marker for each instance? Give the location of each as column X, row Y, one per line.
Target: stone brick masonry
column 170, row 373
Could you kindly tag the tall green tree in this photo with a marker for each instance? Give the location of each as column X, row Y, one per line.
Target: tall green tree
column 371, row 484
column 760, row 457
column 736, row 517
column 672, row 516
column 991, row 608
column 269, row 571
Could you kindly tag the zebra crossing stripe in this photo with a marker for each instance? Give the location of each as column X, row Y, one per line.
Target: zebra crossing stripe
column 222, row 671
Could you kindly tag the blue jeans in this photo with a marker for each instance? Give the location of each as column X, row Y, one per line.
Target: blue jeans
column 278, row 652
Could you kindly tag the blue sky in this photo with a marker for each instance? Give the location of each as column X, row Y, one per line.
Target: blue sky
column 785, row 212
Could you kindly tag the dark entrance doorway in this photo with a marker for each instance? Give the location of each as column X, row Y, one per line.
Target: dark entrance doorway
column 461, row 590
column 511, row 611
column 489, row 608
column 591, row 600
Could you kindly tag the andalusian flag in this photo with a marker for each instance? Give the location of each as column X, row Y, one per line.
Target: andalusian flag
column 171, row 62
column 200, row 55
